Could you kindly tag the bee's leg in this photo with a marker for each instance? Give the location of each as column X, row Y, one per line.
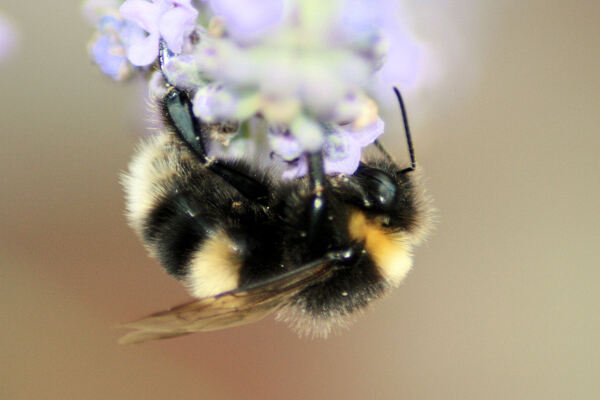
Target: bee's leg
column 316, row 213
column 178, row 108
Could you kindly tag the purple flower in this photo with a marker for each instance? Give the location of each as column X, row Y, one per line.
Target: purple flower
column 106, row 52
column 247, row 20
column 308, row 132
column 213, row 103
column 364, row 136
column 302, row 69
column 168, row 19
column 296, row 168
column 403, row 60
column 108, row 47
column 375, row 28
column 286, row 146
column 344, row 144
column 182, row 71
column 342, row 154
column 341, row 150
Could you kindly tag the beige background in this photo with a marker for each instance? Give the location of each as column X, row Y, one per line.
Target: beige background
column 503, row 302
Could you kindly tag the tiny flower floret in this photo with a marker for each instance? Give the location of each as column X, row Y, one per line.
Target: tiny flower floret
column 108, row 48
column 170, row 20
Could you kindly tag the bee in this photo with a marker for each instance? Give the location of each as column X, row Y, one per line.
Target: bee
column 316, row 250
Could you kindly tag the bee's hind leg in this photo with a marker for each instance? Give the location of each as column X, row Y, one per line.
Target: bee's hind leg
column 178, row 110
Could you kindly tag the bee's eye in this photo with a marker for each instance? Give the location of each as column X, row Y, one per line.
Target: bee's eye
column 379, row 187
column 382, row 189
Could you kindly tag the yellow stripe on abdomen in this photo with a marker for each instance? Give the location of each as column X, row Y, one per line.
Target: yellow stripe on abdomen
column 215, row 268
column 390, row 251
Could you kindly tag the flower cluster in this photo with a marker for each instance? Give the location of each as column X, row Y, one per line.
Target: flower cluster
column 300, row 67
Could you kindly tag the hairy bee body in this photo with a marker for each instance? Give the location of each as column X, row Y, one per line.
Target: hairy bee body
column 316, row 249
column 381, row 236
column 215, row 240
column 202, row 230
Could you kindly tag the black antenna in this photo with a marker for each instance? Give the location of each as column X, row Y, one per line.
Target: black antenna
column 407, row 131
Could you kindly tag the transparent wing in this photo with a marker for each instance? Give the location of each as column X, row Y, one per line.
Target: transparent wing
column 237, row 307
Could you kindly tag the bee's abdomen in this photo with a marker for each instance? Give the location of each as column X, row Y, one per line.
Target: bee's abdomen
column 349, row 289
column 175, row 232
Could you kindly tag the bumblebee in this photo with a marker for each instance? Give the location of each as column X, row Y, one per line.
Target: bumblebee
column 316, row 250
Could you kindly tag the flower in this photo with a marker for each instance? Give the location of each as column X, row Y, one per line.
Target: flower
column 344, row 144
column 216, row 103
column 284, row 145
column 213, row 103
column 168, row 19
column 106, row 52
column 107, row 48
column 341, row 150
column 182, row 72
column 296, row 168
column 299, row 73
column 342, row 153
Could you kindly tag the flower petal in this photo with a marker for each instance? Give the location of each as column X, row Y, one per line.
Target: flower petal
column 175, row 24
column 143, row 52
column 142, row 13
column 308, row 132
column 342, row 154
column 182, row 72
column 404, row 59
column 367, row 135
column 109, row 55
column 292, row 169
column 213, row 103
column 131, row 32
column 283, row 143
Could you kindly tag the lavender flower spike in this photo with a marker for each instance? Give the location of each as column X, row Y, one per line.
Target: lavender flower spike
column 168, row 19
column 298, row 73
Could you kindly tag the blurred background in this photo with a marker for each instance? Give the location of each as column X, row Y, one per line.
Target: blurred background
column 503, row 301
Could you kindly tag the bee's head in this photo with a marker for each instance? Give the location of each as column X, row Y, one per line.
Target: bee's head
column 386, row 195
